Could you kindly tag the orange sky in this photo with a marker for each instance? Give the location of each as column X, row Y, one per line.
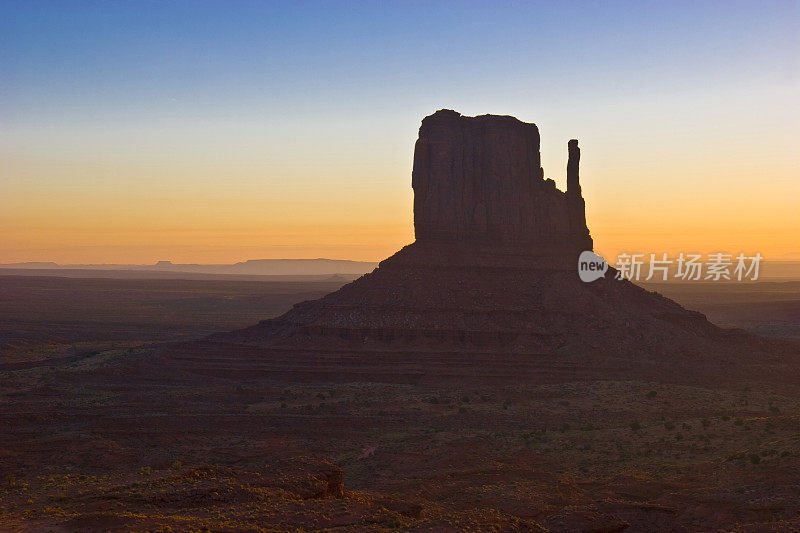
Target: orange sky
column 652, row 182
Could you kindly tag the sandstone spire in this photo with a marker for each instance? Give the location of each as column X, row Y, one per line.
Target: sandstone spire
column 573, row 181
column 577, row 206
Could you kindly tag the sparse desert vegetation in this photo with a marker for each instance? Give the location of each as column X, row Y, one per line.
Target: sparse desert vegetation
column 413, row 456
column 138, row 438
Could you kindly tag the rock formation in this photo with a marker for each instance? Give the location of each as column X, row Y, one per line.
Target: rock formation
column 577, row 207
column 493, row 268
column 479, row 179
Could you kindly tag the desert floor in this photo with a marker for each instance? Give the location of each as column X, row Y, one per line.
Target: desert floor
column 104, row 426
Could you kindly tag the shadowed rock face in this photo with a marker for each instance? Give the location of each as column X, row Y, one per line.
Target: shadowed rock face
column 493, row 269
column 479, row 179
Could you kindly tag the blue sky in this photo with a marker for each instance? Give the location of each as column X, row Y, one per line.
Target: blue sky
column 132, row 57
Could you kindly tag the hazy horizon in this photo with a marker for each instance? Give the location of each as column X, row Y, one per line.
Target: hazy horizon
column 256, row 259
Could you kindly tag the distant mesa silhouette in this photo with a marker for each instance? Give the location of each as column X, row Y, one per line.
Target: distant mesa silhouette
column 493, row 270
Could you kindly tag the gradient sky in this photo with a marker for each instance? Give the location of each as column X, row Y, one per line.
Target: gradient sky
column 191, row 131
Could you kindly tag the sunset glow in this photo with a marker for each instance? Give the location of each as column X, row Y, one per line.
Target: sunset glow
column 287, row 130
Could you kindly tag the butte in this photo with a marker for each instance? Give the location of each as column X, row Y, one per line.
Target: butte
column 488, row 290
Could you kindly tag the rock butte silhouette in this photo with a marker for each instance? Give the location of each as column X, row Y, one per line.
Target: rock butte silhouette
column 479, row 179
column 491, row 278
